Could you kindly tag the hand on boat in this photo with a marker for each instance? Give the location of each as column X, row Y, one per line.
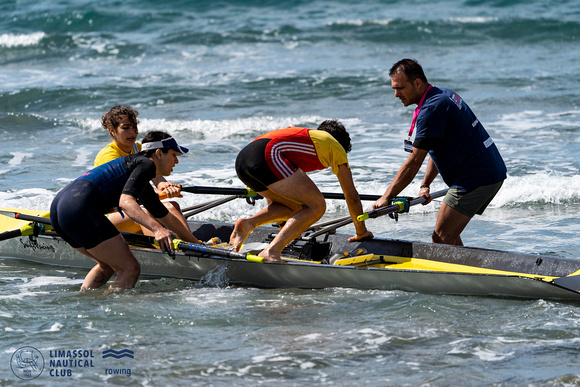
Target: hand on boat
column 366, row 235
column 164, row 238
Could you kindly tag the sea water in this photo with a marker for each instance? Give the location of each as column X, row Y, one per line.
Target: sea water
column 217, row 74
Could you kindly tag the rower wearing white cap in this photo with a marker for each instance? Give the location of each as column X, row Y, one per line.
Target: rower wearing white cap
column 78, row 211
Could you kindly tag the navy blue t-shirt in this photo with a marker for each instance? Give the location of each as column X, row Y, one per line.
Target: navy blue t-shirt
column 460, row 147
column 127, row 175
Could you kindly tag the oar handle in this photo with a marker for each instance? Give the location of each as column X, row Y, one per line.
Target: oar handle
column 363, row 197
column 21, row 216
column 10, row 234
column 181, row 245
column 241, row 192
column 398, row 206
column 250, row 193
column 238, row 192
column 163, row 196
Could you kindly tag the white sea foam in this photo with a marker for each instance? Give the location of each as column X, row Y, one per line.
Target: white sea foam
column 361, row 22
column 214, row 130
column 30, row 198
column 519, row 122
column 473, row 19
column 56, row 327
column 31, row 287
column 21, row 40
column 309, row 337
column 539, row 187
column 18, row 157
column 307, row 365
column 487, row 355
column 84, row 156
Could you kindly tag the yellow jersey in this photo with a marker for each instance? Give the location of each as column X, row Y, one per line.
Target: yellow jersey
column 111, row 152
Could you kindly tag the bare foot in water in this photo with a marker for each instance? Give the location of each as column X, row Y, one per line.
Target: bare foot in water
column 242, row 228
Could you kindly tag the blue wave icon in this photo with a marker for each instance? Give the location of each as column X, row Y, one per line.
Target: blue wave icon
column 118, row 354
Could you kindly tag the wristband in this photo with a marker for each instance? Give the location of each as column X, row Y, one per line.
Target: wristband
column 425, row 186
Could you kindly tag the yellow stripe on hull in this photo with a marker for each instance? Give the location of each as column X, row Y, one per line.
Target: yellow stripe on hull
column 405, row 263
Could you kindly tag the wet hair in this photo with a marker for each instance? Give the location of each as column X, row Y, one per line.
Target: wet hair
column 110, row 121
column 337, row 130
column 411, row 68
column 152, row 136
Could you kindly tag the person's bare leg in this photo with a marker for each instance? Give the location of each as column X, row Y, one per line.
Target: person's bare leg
column 124, row 223
column 112, row 255
column 175, row 209
column 274, row 212
column 297, row 188
column 449, row 226
column 99, row 275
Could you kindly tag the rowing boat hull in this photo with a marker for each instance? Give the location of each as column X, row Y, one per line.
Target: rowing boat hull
column 314, row 275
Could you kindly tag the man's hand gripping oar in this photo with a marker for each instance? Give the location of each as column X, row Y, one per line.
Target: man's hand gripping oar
column 400, row 205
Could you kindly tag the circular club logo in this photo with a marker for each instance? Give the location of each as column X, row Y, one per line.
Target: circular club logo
column 27, row 363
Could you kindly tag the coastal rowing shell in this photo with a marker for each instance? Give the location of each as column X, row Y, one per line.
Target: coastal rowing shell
column 481, row 272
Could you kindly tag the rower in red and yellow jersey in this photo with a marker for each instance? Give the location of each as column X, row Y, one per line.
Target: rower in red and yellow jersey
column 275, row 165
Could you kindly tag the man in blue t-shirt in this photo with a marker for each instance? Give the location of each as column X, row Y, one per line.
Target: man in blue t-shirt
column 461, row 151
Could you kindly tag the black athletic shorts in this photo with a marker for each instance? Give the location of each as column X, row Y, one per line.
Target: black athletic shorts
column 252, row 168
column 78, row 216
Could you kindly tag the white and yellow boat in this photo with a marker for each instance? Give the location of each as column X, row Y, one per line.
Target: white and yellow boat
column 377, row 264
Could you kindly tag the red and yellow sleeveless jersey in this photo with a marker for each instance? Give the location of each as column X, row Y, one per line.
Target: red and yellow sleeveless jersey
column 307, row 149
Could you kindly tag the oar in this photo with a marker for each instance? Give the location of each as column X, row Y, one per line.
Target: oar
column 203, row 249
column 331, row 195
column 23, row 231
column 248, row 192
column 144, row 240
column 208, row 206
column 250, row 195
column 32, row 228
column 36, row 227
column 200, row 205
column 239, row 192
column 178, row 244
column 21, row 216
column 319, row 226
column 398, row 206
